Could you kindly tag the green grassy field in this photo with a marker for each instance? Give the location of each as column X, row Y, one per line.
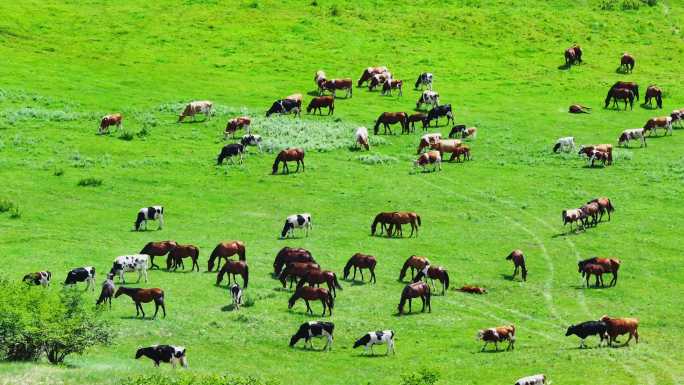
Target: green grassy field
column 65, row 64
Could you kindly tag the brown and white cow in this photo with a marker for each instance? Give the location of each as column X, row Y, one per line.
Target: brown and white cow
column 391, row 84
column 447, row 145
column 110, row 120
column 428, row 140
column 196, row 107
column 619, row 326
column 379, row 80
column 632, row 134
column 361, row 136
column 430, row 157
column 496, row 335
column 664, row 122
column 333, row 85
column 236, row 124
column 368, row 74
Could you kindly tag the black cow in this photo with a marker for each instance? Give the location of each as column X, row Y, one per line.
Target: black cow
column 588, row 328
column 318, row 329
column 229, row 151
column 439, row 111
column 285, row 106
column 164, row 353
column 82, row 274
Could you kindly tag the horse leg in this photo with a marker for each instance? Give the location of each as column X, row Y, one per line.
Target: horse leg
column 410, row 305
column 373, row 276
column 156, row 309
column 141, row 309
column 422, row 299
column 308, row 307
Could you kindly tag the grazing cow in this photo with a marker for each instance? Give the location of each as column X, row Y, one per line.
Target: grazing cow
column 627, row 62
column 107, row 291
column 288, row 255
column 236, row 294
column 579, row 109
column 230, row 151
column 591, row 211
column 601, row 156
column 41, row 278
column 447, row 145
column 288, row 155
column 379, row 80
column 664, row 122
column 429, row 98
column 194, row 108
column 571, row 216
column 319, row 78
column 619, row 326
column 314, row 329
column 235, row 124
column 434, row 272
column 319, row 102
column 677, row 116
column 424, row 79
column 361, row 261
column 337, row 84
column 232, row 268
column 417, row 117
column 565, row 144
column 387, row 118
column 573, row 55
column 588, row 150
column 164, row 353
column 82, row 274
column 610, row 265
column 463, row 150
column 379, row 337
column 152, row 213
column 438, row 111
column 392, row 84
column 415, row 290
column 518, row 259
column 605, row 206
column 633, row 134
column 470, row 132
column 309, row 293
column 140, row 296
column 157, row 249
column 369, row 72
column 586, row 329
column 589, row 268
column 110, row 120
column 285, row 106
column 537, row 379
column 653, row 92
column 296, row 221
column 251, row 140
column 130, row 263
column 416, row 263
column 361, row 136
column 430, row 157
column 428, row 140
column 295, row 271
column 473, row 289
column 496, row 335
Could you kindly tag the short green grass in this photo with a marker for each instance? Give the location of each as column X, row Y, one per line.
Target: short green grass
column 65, row 64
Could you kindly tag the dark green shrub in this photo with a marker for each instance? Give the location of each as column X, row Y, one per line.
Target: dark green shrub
column 423, row 377
column 90, row 182
column 193, row 379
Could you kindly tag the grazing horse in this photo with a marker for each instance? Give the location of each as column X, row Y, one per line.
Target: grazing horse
column 387, row 118
column 473, row 289
column 226, row 250
column 107, row 292
column 624, row 94
column 285, row 106
column 287, row 255
column 164, row 353
column 337, row 84
column 664, row 122
column 586, row 329
column 573, row 55
column 619, row 326
column 383, row 219
column 588, row 150
column 232, row 268
column 41, row 278
column 424, row 79
column 430, row 157
column 152, row 213
column 288, row 155
column 140, row 296
column 130, row 263
column 579, row 109
column 318, row 329
column 194, row 108
column 361, row 261
column 605, row 205
column 179, row 252
column 428, row 97
column 628, row 85
column 309, row 293
column 610, row 265
column 632, row 134
column 319, row 102
column 157, row 249
column 415, row 290
column 564, row 144
column 230, row 151
column 376, row 338
column 315, row 277
column 415, row 263
column 627, row 62
column 654, row 92
column 496, row 335
column 392, row 84
column 401, row 218
column 241, row 122
column 361, row 136
column 428, row 140
column 110, row 120
column 589, row 268
column 571, row 216
column 296, row 221
column 438, row 111
column 518, row 259
column 591, row 211
column 434, row 272
column 368, row 73
column 417, row 117
column 295, row 271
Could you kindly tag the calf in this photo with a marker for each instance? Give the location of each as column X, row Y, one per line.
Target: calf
column 164, row 353
column 149, row 213
column 130, row 263
column 601, row 156
column 376, row 338
column 41, row 278
column 619, row 326
column 82, row 274
column 564, row 144
column 586, row 329
column 317, row 329
column 251, row 140
column 537, row 379
column 230, row 151
column 236, row 294
column 297, row 221
column 633, row 134
column 391, row 84
column 197, row 107
column 430, row 157
column 107, row 292
column 496, row 335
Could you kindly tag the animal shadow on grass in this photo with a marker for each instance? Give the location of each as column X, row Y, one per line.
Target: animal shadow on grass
column 357, row 283
column 565, row 67
column 647, row 107
column 146, row 318
column 376, row 355
column 229, row 307
column 569, row 232
column 507, row 277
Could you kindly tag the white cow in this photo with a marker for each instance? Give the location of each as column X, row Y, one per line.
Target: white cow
column 632, row 134
column 297, row 221
column 130, row 263
column 537, row 379
column 424, row 79
column 197, row 107
column 377, row 338
column 150, row 213
column 564, row 144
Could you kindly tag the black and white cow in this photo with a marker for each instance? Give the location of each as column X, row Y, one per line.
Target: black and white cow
column 82, row 274
column 40, row 278
column 130, row 263
column 164, row 353
column 428, row 97
column 285, row 106
column 436, row 112
column 230, row 151
column 317, row 329
column 424, row 79
column 251, row 140
column 589, row 328
column 376, row 338
column 537, row 379
column 297, row 221
column 632, row 134
column 236, row 294
column 152, row 213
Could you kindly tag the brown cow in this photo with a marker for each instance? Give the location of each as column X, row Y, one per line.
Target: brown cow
column 319, row 102
column 588, row 150
column 368, row 73
column 620, row 326
column 198, row 107
column 235, row 124
column 337, row 84
column 428, row 140
column 447, row 145
column 110, row 120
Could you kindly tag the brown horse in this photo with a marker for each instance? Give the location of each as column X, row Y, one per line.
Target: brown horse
column 415, row 290
column 368, row 73
column 140, row 296
column 415, row 263
column 383, row 219
column 417, row 117
column 605, row 206
column 589, row 268
column 288, row 155
column 591, row 211
column 361, row 261
column 434, row 272
column 235, row 124
column 337, row 84
column 579, row 109
column 625, row 95
column 315, row 277
column 179, row 252
column 157, row 249
column 226, row 250
column 232, row 268
column 319, row 102
column 617, row 85
column 473, row 289
column 309, row 293
column 626, row 63
column 654, row 92
column 589, row 150
column 387, row 118
column 287, row 255
column 610, row 265
column 518, row 259
column 295, row 270
column 401, row 218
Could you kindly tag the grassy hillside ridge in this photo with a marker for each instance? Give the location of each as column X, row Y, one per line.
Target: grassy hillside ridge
column 67, row 63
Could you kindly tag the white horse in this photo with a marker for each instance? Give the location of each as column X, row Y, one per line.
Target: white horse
column 130, row 263
column 297, row 221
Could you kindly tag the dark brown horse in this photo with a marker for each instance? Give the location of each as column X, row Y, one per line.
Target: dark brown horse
column 140, row 296
column 289, row 155
column 179, row 252
column 573, row 55
column 518, row 259
column 287, row 255
column 653, row 92
column 610, row 265
column 361, row 261
column 388, row 118
column 417, row 117
column 434, row 272
column 310, row 293
column 383, row 219
column 368, row 73
column 319, row 102
column 605, row 206
column 315, row 277
column 415, row 290
column 333, row 85
column 627, row 63
column 415, row 263
column 591, row 211
column 625, row 95
column 157, row 249
column 232, row 268
column 597, row 270
column 628, row 85
column 401, row 218
column 296, row 270
column 226, row 250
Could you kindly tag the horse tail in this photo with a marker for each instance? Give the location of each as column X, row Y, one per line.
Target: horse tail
column 418, row 218
column 610, row 207
column 446, row 280
column 337, row 283
column 242, row 252
column 659, row 99
column 636, row 91
column 402, row 274
column 246, row 275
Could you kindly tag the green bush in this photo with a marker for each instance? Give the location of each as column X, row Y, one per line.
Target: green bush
column 6, row 205
column 90, row 182
column 126, row 135
column 193, row 379
column 424, row 377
